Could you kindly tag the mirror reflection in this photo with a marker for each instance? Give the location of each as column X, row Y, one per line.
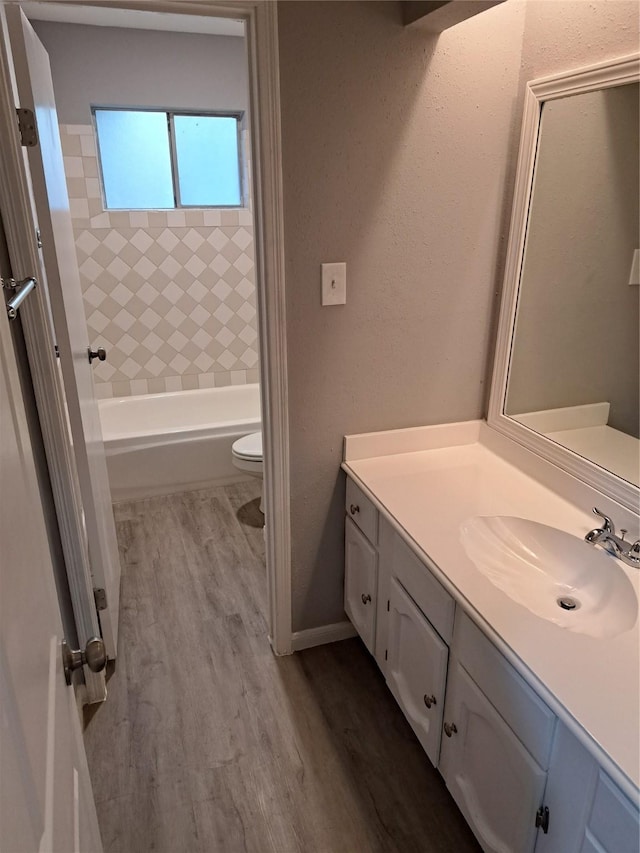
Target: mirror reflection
column 574, row 370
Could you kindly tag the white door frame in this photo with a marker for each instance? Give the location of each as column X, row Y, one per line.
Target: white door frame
column 260, row 17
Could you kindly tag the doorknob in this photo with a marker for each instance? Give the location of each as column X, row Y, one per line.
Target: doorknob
column 94, row 656
column 100, row 354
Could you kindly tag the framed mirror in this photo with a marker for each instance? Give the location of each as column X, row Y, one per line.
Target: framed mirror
column 566, row 379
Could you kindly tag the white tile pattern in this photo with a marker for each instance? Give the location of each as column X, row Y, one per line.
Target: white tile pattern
column 169, row 294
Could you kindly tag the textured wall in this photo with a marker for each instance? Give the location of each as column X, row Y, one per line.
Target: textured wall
column 169, row 294
column 577, row 331
column 396, row 150
column 399, row 158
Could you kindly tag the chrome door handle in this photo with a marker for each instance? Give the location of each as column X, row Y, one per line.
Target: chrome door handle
column 100, row 354
column 94, row 656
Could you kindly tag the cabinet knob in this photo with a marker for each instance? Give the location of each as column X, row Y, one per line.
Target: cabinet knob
column 429, row 700
column 365, row 598
column 353, row 509
column 450, row 729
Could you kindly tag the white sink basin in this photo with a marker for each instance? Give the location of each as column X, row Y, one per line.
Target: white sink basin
column 539, row 566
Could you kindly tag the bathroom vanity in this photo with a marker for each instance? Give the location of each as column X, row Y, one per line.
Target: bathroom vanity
column 532, row 720
column 510, row 643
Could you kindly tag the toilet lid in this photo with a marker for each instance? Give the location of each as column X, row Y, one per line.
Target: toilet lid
column 249, row 446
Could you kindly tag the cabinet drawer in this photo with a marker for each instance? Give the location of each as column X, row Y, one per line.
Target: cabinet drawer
column 362, row 511
column 613, row 821
column 526, row 714
column 430, row 596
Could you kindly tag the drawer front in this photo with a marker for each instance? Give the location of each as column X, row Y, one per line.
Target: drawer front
column 360, row 584
column 361, row 511
column 613, row 821
column 428, row 593
column 526, row 714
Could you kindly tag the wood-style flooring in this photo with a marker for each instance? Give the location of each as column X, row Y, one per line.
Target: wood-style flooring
column 207, row 742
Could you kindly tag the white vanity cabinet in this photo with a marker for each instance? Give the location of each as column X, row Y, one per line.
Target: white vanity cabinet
column 589, row 813
column 498, row 737
column 519, row 776
column 361, row 564
column 416, row 627
column 416, row 668
column 495, row 782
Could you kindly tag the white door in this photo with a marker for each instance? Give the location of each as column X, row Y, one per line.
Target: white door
column 46, row 801
column 416, row 668
column 360, row 575
column 35, row 92
column 496, row 783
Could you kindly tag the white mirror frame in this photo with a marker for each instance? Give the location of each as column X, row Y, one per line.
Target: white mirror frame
column 604, row 75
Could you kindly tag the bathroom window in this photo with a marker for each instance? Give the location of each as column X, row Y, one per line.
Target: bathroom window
column 161, row 159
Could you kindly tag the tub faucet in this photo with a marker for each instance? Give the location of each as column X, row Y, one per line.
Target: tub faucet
column 606, row 537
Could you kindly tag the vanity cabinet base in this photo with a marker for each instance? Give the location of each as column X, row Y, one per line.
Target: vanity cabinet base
column 496, row 783
column 416, row 669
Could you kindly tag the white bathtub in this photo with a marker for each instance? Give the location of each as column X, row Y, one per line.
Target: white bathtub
column 163, row 443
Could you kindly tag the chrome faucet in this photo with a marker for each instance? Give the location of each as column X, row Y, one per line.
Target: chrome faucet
column 606, row 536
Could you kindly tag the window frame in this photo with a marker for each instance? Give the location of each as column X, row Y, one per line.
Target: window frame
column 238, row 115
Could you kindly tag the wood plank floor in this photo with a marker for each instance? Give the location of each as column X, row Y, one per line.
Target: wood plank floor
column 208, row 742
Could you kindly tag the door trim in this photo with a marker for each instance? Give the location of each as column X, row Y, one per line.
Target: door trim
column 264, row 97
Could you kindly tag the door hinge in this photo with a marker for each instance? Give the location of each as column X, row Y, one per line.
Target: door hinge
column 100, row 597
column 39, row 238
column 542, row 819
column 27, row 127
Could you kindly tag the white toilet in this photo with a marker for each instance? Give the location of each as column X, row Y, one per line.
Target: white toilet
column 246, row 455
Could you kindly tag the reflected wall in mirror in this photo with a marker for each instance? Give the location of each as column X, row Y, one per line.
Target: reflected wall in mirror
column 566, row 379
column 574, row 374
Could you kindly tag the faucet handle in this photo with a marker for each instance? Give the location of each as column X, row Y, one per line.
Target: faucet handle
column 607, row 525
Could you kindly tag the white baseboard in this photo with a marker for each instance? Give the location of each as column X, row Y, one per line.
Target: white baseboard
column 324, row 634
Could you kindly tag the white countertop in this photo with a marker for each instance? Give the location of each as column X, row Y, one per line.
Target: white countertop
column 592, row 684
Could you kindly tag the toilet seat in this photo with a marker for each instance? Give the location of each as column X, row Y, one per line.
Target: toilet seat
column 248, row 448
column 246, row 455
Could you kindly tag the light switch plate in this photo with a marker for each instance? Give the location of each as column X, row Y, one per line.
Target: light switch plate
column 334, row 284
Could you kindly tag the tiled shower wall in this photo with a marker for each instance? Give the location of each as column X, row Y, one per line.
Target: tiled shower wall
column 169, row 294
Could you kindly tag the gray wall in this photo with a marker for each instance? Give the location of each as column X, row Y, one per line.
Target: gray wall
column 395, row 158
column 577, row 332
column 110, row 66
column 399, row 158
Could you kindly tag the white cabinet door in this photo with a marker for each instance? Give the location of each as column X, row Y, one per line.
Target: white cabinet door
column 360, row 582
column 494, row 780
column 416, row 668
